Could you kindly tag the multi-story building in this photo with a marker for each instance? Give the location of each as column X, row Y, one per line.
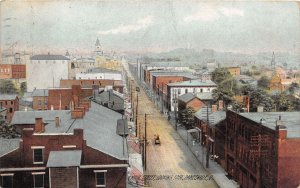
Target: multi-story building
column 12, row 71
column 261, row 148
column 99, row 73
column 67, row 149
column 194, row 100
column 45, row 71
column 116, row 85
column 158, row 78
column 11, row 103
column 67, row 98
column 40, row 99
column 192, row 86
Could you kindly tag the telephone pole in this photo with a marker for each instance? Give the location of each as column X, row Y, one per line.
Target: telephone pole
column 145, row 144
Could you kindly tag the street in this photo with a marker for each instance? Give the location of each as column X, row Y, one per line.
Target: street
column 170, row 164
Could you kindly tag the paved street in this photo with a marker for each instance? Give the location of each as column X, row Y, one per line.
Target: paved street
column 172, row 158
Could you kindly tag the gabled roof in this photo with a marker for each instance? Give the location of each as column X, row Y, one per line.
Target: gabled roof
column 49, row 57
column 8, row 145
column 64, row 158
column 99, row 127
column 186, row 97
column 193, row 83
column 214, row 118
column 7, row 97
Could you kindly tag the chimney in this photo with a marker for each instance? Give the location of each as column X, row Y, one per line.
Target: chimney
column 260, row 109
column 214, row 108
column 221, row 104
column 281, row 129
column 39, row 125
column 57, row 120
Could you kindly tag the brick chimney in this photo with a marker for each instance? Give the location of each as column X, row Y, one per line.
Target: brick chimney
column 78, row 113
column 39, row 125
column 214, row 108
column 221, row 104
column 281, row 129
column 57, row 120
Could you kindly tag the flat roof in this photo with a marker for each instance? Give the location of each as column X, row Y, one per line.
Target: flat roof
column 290, row 119
column 197, row 82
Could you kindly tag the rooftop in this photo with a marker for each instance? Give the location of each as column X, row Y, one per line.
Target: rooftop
column 186, row 97
column 213, row 118
column 103, row 70
column 99, row 125
column 40, row 93
column 6, row 97
column 204, row 96
column 8, row 145
column 196, row 83
column 290, row 119
column 49, row 57
column 173, row 73
column 64, row 158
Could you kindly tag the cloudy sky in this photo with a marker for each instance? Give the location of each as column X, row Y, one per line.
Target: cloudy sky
column 150, row 26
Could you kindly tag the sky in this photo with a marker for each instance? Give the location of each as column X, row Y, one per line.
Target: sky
column 149, row 26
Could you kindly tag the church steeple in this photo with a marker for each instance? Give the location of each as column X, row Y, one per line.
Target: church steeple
column 98, row 49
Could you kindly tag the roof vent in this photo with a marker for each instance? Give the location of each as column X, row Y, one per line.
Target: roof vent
column 262, row 120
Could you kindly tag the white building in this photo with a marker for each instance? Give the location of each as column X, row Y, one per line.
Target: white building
column 43, row 71
column 177, row 89
column 99, row 73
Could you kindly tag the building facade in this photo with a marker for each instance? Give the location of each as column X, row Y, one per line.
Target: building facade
column 45, row 71
column 76, row 148
column 11, row 103
column 40, row 99
column 12, row 71
column 260, row 149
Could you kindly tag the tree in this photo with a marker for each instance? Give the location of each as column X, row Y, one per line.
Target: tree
column 293, row 87
column 258, row 97
column 284, row 102
column 7, row 86
column 23, row 88
column 263, row 82
column 186, row 117
column 220, row 74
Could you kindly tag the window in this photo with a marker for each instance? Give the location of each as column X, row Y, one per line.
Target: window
column 10, row 110
column 7, row 180
column 38, row 179
column 201, row 90
column 100, row 178
column 38, row 152
column 186, row 90
column 40, row 102
column 179, row 91
column 11, row 102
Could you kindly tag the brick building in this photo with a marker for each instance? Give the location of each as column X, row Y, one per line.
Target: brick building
column 11, row 103
column 66, row 98
column 75, row 148
column 40, row 99
column 159, row 78
column 189, row 100
column 116, row 85
column 192, row 86
column 12, row 71
column 261, row 149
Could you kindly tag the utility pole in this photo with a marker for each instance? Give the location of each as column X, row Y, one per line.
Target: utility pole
column 175, row 110
column 145, row 143
column 162, row 98
column 207, row 139
column 137, row 106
